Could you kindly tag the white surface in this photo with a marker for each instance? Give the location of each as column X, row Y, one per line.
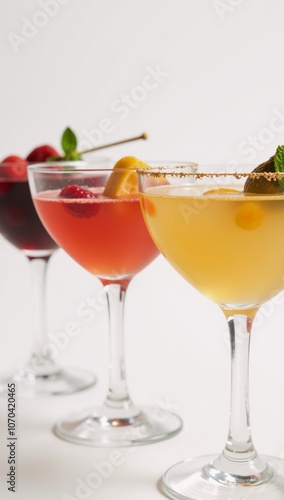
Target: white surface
column 222, row 87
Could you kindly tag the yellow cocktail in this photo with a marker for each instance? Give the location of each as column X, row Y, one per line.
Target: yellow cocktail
column 223, row 234
column 225, row 243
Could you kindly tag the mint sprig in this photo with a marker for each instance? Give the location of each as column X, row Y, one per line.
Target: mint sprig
column 69, row 146
column 279, row 163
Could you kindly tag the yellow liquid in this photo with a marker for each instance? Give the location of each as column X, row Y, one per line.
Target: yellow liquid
column 228, row 246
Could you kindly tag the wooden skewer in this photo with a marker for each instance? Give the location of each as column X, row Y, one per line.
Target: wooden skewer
column 142, row 136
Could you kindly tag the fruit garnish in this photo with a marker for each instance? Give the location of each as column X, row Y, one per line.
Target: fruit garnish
column 42, row 154
column 46, row 153
column 249, row 216
column 75, row 192
column 264, row 184
column 221, row 191
column 14, row 167
column 123, row 180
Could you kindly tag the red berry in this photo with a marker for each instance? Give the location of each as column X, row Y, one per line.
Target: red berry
column 14, row 167
column 42, row 153
column 79, row 208
column 74, row 191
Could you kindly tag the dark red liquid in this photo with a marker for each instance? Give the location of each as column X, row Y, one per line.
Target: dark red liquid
column 19, row 222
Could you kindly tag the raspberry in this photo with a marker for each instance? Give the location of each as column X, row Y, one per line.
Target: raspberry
column 14, row 167
column 74, row 191
column 81, row 209
column 42, row 153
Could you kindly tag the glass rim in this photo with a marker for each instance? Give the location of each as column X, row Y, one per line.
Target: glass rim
column 67, row 167
column 93, row 166
column 180, row 173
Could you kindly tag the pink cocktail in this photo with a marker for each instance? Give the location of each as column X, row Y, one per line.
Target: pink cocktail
column 107, row 235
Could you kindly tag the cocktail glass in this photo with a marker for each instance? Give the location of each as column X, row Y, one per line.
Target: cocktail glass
column 107, row 236
column 228, row 245
column 40, row 375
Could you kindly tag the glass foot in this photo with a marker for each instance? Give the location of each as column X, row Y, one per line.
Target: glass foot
column 54, row 382
column 188, row 480
column 105, row 426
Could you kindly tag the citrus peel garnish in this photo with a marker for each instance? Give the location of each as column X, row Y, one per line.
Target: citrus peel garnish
column 123, row 180
column 221, row 191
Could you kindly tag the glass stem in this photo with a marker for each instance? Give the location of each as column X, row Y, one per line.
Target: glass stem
column 117, row 396
column 239, row 462
column 39, row 268
column 40, row 362
column 239, row 442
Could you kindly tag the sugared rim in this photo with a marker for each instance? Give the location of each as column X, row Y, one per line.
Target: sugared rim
column 179, row 172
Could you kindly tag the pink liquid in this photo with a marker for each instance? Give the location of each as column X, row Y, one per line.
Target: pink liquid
column 107, row 236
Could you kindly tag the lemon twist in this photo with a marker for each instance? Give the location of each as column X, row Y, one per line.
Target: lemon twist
column 123, row 180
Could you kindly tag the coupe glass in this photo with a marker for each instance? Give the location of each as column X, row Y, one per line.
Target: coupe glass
column 21, row 226
column 241, row 270
column 107, row 236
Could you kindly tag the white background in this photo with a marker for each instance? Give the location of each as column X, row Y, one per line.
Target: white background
column 219, row 98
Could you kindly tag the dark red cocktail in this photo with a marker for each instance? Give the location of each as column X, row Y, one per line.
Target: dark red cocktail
column 19, row 222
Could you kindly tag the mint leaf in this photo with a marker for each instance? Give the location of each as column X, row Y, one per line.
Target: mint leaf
column 68, row 141
column 279, row 163
column 69, row 145
column 279, row 159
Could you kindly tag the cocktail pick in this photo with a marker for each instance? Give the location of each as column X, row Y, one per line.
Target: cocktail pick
column 117, row 143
